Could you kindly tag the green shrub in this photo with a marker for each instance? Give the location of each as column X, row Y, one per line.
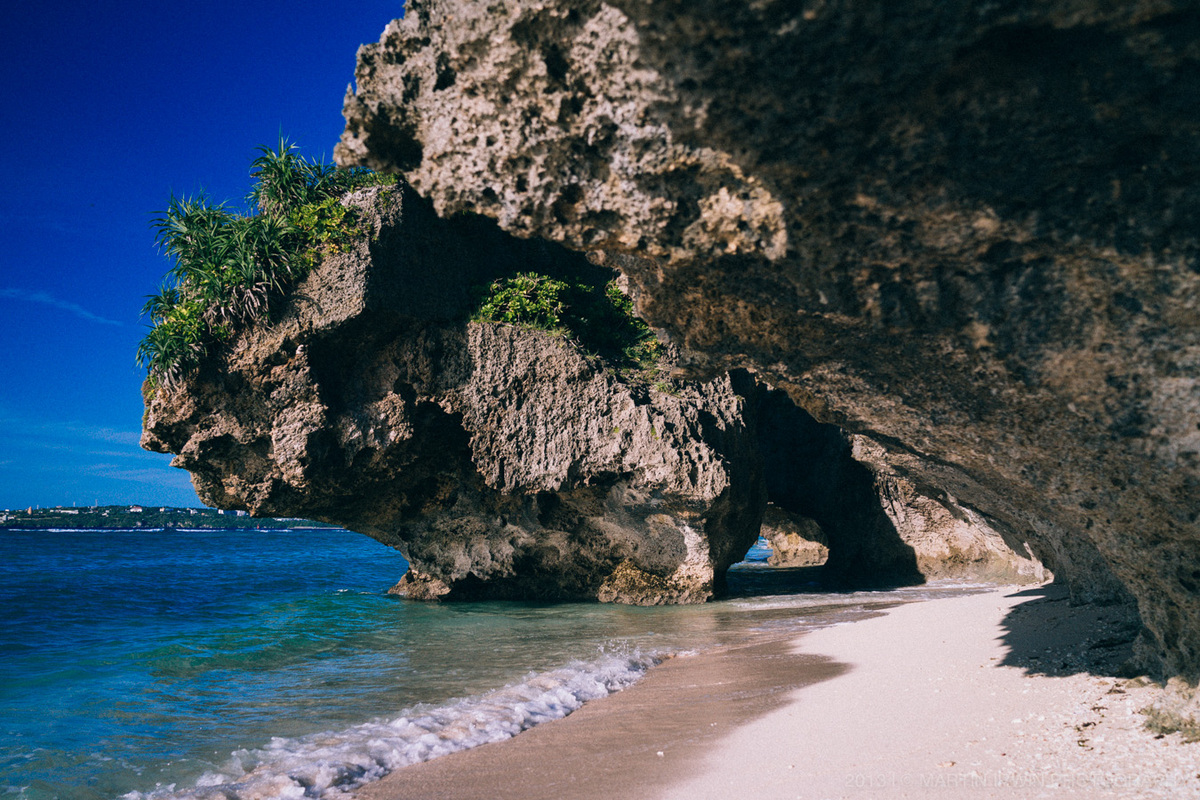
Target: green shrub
column 599, row 318
column 624, row 332
column 327, row 226
column 525, row 299
column 177, row 341
column 230, row 267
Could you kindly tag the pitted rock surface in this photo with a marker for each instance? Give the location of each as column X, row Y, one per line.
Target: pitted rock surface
column 965, row 231
column 500, row 460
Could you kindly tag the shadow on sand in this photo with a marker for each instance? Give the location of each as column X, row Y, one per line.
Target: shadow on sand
column 1050, row 636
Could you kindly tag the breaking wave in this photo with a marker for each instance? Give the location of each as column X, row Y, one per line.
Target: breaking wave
column 332, row 764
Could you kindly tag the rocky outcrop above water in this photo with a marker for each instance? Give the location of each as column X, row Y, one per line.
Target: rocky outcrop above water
column 504, row 462
column 499, row 459
column 967, row 232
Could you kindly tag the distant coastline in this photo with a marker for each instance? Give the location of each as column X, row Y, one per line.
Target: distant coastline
column 134, row 516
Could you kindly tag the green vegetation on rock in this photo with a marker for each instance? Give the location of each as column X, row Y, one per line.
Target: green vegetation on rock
column 525, row 299
column 230, row 267
column 599, row 318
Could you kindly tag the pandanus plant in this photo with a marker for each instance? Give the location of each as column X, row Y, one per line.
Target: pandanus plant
column 285, row 180
column 228, row 268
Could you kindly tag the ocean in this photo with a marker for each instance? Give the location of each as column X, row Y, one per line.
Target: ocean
column 155, row 665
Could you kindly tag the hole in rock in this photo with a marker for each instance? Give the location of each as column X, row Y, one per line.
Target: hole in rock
column 834, row 522
column 825, row 509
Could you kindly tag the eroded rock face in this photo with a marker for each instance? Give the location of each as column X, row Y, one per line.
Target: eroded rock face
column 498, row 459
column 949, row 540
column 845, row 500
column 796, row 541
column 968, row 232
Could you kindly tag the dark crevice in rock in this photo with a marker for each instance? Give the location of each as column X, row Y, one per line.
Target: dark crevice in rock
column 810, row 472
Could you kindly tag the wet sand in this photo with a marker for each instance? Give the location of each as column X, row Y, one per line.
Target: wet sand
column 630, row 744
column 929, row 699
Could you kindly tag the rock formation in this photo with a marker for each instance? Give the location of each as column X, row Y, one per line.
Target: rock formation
column 796, row 541
column 499, row 459
column 967, row 232
column 505, row 463
column 840, row 498
column 949, row 540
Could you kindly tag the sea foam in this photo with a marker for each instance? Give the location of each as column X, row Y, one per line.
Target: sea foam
column 331, row 764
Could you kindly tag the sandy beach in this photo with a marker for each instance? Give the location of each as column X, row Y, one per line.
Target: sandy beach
column 988, row 695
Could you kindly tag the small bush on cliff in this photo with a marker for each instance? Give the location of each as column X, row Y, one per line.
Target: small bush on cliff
column 599, row 318
column 620, row 330
column 525, row 299
column 229, row 267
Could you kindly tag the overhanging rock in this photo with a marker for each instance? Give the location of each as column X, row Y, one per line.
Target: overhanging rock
column 966, row 231
column 499, row 459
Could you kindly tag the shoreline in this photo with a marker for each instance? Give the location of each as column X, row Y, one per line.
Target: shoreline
column 979, row 694
column 641, row 739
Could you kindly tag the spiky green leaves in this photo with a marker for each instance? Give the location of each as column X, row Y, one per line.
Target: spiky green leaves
column 285, row 180
column 177, row 340
column 229, row 268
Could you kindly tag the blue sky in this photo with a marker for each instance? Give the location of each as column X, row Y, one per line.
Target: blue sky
column 109, row 109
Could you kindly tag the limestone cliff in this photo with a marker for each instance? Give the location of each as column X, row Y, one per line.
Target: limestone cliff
column 499, row 459
column 504, row 462
column 965, row 231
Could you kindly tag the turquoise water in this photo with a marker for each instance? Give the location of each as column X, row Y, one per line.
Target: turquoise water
column 234, row 664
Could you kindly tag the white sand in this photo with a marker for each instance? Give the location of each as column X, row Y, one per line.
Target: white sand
column 926, row 710
column 915, row 703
